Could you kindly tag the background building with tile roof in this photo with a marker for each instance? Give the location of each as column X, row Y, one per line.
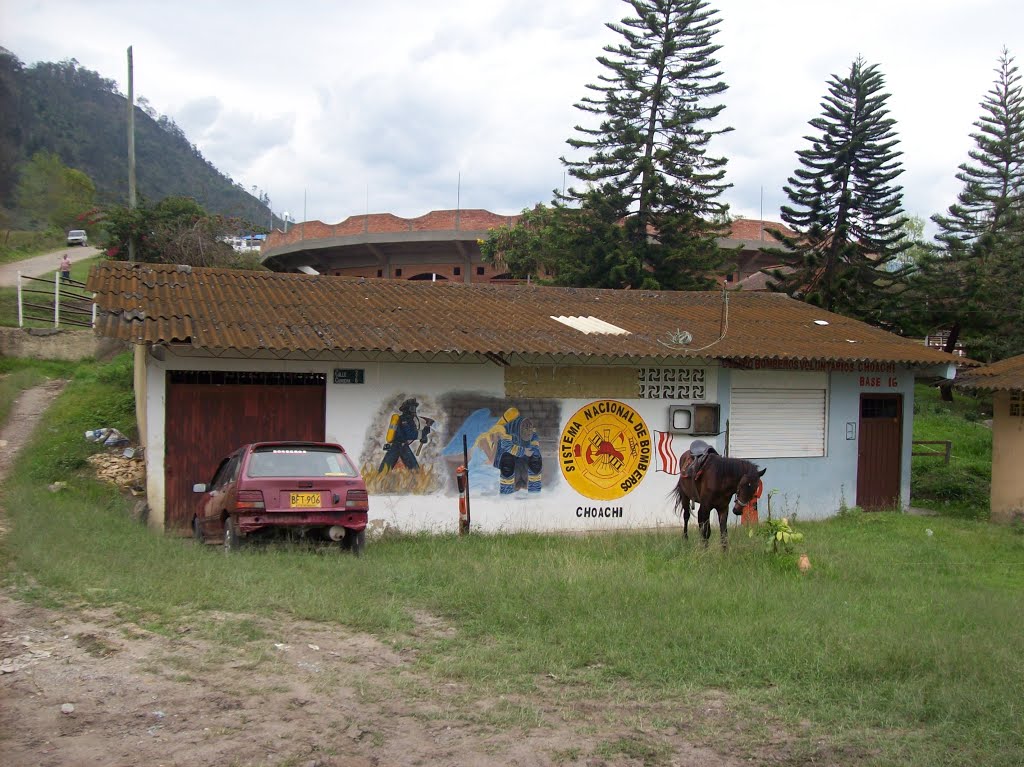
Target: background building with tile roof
column 445, row 245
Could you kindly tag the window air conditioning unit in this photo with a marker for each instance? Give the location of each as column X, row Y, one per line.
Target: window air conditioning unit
column 694, row 419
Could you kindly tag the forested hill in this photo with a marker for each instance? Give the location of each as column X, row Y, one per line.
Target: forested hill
column 81, row 117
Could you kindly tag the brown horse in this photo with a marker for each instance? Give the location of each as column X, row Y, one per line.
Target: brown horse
column 719, row 480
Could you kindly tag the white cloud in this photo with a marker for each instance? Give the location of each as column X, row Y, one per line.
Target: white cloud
column 384, row 105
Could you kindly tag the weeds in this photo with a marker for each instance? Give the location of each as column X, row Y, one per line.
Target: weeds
column 960, row 489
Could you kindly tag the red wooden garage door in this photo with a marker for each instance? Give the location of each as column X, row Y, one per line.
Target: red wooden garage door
column 209, row 414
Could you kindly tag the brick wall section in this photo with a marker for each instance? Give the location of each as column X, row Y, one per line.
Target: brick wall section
column 350, row 226
column 444, row 220
column 570, row 381
column 437, row 220
column 311, row 230
column 381, row 223
column 751, row 229
column 384, row 222
column 471, row 220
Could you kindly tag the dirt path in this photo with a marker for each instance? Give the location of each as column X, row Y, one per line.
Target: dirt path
column 20, row 423
column 37, row 266
column 87, row 687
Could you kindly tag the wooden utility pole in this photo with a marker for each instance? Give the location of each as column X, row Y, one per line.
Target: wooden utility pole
column 131, row 151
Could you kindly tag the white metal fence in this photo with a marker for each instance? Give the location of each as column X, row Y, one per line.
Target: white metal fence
column 56, row 301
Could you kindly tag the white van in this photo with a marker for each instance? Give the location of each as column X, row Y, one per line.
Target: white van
column 77, row 237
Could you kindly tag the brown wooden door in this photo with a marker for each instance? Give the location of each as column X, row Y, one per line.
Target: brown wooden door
column 207, row 421
column 879, row 451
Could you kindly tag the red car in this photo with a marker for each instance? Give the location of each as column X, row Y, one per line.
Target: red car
column 307, row 489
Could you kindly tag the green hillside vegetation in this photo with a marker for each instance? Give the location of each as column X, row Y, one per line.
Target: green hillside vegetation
column 79, row 116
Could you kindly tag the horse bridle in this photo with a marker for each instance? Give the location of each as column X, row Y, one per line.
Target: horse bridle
column 751, row 502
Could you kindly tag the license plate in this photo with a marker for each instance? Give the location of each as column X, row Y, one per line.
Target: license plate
column 305, row 500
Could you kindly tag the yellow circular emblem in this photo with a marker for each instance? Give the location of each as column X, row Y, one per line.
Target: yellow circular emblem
column 605, row 450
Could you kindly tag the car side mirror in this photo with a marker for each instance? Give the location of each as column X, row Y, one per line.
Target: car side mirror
column 199, row 487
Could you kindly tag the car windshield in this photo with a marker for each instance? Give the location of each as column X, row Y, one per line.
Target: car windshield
column 300, row 462
column 76, row 233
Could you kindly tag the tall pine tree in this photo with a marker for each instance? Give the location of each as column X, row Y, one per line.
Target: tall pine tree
column 973, row 286
column 844, row 206
column 646, row 163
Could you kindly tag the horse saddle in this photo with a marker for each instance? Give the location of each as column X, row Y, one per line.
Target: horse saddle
column 699, row 452
column 699, row 447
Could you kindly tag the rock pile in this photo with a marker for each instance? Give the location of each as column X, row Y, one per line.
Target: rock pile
column 127, row 473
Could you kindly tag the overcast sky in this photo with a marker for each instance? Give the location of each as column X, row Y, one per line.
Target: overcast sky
column 344, row 107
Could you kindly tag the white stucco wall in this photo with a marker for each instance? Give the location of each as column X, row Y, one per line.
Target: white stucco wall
column 810, row 487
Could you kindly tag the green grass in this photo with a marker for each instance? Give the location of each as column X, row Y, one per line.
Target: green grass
column 960, row 489
column 898, row 648
column 9, row 296
column 17, row 245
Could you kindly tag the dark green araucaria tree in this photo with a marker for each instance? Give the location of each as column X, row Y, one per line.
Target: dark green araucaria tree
column 845, row 208
column 973, row 286
column 644, row 156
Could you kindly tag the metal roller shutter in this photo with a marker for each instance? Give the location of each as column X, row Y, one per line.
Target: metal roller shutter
column 777, row 423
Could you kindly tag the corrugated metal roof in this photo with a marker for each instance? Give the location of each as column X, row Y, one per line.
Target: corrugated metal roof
column 1005, row 375
column 255, row 310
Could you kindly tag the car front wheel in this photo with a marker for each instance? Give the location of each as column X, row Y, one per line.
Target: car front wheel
column 197, row 531
column 232, row 538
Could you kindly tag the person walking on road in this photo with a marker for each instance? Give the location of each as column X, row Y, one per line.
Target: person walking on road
column 65, row 268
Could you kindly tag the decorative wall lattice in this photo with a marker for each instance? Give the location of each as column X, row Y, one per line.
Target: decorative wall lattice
column 672, row 383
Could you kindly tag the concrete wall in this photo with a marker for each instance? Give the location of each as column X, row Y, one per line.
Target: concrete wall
column 56, row 344
column 1007, row 449
column 564, row 403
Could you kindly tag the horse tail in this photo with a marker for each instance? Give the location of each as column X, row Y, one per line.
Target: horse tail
column 682, row 501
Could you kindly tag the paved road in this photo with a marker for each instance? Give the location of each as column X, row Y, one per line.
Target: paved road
column 39, row 265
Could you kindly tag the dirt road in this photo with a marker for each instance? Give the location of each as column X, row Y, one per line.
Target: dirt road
column 88, row 687
column 39, row 265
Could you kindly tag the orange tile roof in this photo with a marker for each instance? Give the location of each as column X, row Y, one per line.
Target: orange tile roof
column 1005, row 375
column 254, row 310
column 753, row 229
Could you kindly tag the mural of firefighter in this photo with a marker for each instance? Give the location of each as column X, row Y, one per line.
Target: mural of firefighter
column 514, row 443
column 405, row 427
column 400, row 450
column 507, row 442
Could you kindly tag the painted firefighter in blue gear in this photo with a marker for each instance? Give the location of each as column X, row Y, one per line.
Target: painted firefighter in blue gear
column 403, row 430
column 517, row 458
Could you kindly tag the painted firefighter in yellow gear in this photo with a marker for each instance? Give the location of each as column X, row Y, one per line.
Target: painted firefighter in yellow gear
column 404, row 429
column 514, row 448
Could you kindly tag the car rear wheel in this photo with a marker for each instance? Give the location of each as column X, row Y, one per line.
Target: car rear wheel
column 232, row 538
column 354, row 541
